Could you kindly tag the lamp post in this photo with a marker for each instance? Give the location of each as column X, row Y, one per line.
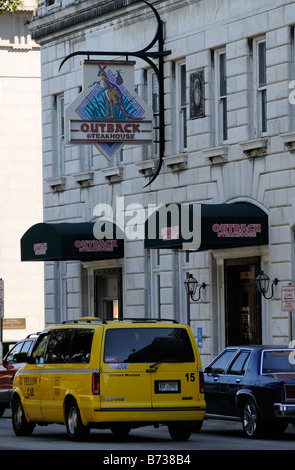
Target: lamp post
column 262, row 284
column 191, row 285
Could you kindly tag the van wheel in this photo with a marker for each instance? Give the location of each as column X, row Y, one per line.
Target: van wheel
column 75, row 428
column 20, row 424
column 180, row 432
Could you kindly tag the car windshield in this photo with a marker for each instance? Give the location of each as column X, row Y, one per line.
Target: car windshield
column 151, row 345
column 278, row 361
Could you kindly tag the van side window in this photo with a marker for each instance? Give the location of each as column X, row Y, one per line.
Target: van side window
column 135, row 345
column 69, row 346
column 81, row 346
column 58, row 351
column 40, row 348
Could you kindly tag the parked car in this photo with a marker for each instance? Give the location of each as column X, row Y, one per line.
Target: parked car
column 10, row 366
column 111, row 374
column 254, row 384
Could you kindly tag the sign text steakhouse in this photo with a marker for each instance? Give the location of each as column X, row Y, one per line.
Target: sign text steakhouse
column 95, row 245
column 110, row 131
column 236, row 230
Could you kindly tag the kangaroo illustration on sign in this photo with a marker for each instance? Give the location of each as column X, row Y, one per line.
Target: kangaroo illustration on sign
column 113, row 94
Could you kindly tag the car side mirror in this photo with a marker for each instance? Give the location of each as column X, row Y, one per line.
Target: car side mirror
column 23, row 357
column 208, row 370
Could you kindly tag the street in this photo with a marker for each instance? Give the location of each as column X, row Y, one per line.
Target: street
column 215, row 435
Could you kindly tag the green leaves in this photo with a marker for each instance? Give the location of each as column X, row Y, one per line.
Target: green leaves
column 10, row 6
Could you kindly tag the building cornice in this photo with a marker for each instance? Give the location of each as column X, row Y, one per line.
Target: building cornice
column 58, row 19
column 55, row 20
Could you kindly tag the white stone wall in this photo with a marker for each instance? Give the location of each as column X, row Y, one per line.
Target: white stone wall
column 21, row 171
column 193, row 31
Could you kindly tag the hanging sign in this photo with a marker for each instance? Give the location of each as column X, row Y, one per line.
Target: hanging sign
column 108, row 113
column 288, row 298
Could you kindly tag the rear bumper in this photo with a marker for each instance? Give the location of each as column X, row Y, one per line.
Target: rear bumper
column 284, row 410
column 152, row 415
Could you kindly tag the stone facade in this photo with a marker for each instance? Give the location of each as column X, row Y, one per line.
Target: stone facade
column 240, row 150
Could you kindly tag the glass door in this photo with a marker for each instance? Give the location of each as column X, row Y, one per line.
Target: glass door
column 242, row 302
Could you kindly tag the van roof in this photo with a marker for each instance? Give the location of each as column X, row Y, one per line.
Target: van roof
column 97, row 321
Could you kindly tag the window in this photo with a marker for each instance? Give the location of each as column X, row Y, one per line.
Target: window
column 223, row 95
column 81, row 345
column 220, row 79
column 261, row 86
column 277, row 361
column 40, row 348
column 155, row 280
column 58, row 347
column 64, row 346
column 151, row 96
column 181, row 104
column 60, row 116
column 60, row 291
column 221, row 363
column 27, row 346
column 156, row 111
column 15, row 350
column 238, row 366
column 219, row 82
column 60, row 163
column 134, row 345
column 257, row 51
column 158, row 294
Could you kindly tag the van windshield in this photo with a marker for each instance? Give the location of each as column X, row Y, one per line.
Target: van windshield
column 135, row 345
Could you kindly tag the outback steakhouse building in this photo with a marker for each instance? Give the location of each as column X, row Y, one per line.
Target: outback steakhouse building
column 222, row 207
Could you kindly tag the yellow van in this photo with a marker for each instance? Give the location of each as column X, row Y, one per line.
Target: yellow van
column 111, row 374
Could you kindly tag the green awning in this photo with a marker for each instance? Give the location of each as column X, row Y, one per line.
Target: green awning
column 70, row 241
column 206, row 226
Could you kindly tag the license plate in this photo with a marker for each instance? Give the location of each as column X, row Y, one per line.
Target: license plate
column 168, row 386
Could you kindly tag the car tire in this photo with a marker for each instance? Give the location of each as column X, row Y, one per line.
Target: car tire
column 180, row 432
column 75, row 428
column 20, row 424
column 252, row 421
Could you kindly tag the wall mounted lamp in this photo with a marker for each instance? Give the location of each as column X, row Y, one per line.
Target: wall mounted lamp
column 262, row 284
column 191, row 285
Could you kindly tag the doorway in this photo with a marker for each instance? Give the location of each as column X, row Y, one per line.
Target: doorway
column 108, row 293
column 242, row 302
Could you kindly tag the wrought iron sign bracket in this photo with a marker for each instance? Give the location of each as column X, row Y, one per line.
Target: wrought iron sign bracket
column 147, row 55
